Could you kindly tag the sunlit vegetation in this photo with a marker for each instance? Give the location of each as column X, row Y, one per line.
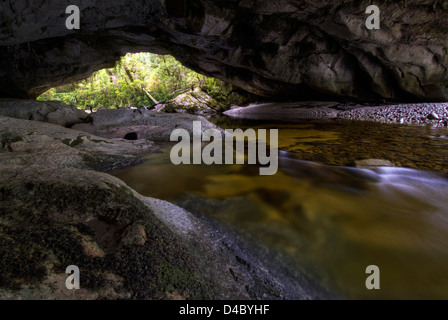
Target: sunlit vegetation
column 137, row 80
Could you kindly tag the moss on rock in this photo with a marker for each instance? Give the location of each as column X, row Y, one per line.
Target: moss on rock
column 194, row 102
column 50, row 219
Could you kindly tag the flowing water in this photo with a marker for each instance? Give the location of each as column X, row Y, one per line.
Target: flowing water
column 327, row 218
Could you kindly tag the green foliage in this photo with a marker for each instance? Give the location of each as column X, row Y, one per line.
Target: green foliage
column 136, row 80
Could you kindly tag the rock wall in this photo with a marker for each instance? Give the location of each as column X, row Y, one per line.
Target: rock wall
column 295, row 49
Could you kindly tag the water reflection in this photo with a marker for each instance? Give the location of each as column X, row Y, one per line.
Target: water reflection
column 330, row 222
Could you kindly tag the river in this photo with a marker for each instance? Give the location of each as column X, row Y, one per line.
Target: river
column 327, row 218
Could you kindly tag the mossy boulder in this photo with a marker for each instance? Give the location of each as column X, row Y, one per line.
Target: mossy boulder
column 194, row 102
column 51, row 219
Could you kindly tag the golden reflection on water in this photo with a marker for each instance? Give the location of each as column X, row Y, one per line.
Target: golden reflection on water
column 329, row 222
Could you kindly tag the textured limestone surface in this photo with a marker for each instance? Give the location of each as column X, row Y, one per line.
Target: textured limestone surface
column 300, row 49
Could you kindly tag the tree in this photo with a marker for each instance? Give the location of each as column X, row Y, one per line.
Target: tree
column 141, row 79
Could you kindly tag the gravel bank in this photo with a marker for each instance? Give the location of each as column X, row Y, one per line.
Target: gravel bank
column 410, row 114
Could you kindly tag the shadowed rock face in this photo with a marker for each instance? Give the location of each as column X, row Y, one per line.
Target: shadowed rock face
column 299, row 49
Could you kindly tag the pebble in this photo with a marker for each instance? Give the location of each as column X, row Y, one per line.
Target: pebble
column 433, row 116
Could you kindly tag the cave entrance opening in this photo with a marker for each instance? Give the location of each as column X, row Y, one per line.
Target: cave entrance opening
column 141, row 80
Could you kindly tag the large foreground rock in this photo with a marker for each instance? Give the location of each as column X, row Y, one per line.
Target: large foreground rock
column 302, row 49
column 56, row 211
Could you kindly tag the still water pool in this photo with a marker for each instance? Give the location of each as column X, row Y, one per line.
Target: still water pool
column 327, row 218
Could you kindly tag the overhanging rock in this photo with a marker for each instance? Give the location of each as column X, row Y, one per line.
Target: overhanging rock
column 295, row 49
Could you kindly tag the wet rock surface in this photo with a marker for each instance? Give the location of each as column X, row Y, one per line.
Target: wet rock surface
column 372, row 163
column 299, row 49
